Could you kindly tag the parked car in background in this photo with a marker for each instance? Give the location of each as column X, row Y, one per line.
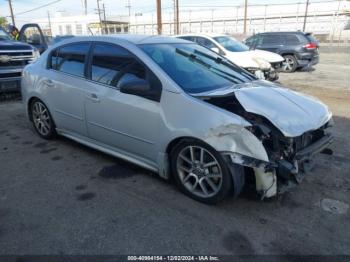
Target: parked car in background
column 176, row 108
column 263, row 64
column 14, row 56
column 299, row 49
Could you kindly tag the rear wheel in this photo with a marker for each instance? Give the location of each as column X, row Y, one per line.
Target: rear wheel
column 290, row 64
column 200, row 172
column 42, row 120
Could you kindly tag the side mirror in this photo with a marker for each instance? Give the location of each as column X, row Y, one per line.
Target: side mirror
column 135, row 86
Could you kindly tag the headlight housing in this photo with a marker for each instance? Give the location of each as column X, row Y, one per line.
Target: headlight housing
column 36, row 55
column 263, row 64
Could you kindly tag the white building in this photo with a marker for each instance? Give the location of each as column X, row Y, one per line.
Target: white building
column 64, row 24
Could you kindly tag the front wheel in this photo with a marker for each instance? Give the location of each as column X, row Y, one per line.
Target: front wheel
column 200, row 172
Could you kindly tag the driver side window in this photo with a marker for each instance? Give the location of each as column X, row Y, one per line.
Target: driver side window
column 111, row 63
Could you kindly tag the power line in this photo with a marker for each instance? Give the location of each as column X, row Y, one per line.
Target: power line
column 39, row 7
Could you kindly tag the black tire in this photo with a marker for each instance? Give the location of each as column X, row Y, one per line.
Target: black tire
column 290, row 64
column 226, row 185
column 45, row 120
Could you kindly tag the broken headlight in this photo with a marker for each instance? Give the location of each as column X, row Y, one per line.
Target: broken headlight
column 263, row 64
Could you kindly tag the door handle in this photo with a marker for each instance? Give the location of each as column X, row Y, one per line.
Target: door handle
column 49, row 82
column 93, row 97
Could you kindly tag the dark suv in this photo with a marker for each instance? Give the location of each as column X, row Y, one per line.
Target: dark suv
column 299, row 49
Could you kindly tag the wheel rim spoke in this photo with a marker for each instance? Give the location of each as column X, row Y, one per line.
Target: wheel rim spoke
column 185, row 158
column 203, row 187
column 213, row 163
column 192, row 153
column 185, row 169
column 211, row 184
column 187, row 177
column 201, row 159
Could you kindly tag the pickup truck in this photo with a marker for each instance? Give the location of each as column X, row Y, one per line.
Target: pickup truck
column 15, row 55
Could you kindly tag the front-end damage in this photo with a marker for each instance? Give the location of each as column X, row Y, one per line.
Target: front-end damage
column 279, row 151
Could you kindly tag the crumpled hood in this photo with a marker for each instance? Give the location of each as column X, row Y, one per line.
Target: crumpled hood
column 268, row 56
column 291, row 112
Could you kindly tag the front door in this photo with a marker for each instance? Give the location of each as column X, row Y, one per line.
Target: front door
column 127, row 122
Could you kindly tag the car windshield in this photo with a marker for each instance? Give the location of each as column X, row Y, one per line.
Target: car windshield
column 4, row 35
column 194, row 68
column 231, row 44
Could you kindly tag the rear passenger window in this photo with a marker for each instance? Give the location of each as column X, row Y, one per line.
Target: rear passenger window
column 291, row 39
column 272, row 40
column 205, row 42
column 111, row 63
column 70, row 58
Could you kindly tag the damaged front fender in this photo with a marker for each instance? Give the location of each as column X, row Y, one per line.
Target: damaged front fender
column 236, row 139
column 244, row 148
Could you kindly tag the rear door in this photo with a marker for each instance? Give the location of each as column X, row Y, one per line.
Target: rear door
column 65, row 86
column 273, row 43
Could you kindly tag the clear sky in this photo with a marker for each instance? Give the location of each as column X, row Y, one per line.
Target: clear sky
column 115, row 7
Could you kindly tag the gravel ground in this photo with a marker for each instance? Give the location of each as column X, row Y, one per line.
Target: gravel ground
column 59, row 197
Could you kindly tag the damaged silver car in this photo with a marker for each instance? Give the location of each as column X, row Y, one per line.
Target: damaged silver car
column 178, row 109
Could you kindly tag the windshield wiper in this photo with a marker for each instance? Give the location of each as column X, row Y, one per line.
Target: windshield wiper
column 195, row 58
column 225, row 62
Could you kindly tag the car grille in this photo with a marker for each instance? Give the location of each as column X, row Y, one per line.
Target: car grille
column 17, row 58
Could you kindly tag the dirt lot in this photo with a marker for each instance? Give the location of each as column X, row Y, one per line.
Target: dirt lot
column 58, row 197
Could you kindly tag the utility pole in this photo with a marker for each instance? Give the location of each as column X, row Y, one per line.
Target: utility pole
column 99, row 14
column 176, row 17
column 128, row 6
column 159, row 17
column 48, row 16
column 104, row 17
column 305, row 16
column 85, row 7
column 245, row 16
column 11, row 11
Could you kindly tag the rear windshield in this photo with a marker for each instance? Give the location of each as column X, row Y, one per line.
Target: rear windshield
column 311, row 38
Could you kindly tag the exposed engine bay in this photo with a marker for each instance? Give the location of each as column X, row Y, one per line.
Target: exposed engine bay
column 290, row 158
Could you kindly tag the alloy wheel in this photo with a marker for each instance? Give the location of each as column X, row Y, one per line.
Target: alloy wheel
column 288, row 64
column 199, row 171
column 41, row 118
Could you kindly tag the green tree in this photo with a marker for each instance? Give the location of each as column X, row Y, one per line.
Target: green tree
column 3, row 21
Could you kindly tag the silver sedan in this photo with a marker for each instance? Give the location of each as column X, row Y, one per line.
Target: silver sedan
column 178, row 109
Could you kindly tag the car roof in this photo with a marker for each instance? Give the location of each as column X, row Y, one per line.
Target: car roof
column 210, row 35
column 284, row 32
column 131, row 38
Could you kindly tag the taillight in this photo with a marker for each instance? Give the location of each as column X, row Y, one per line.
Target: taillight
column 310, row 46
